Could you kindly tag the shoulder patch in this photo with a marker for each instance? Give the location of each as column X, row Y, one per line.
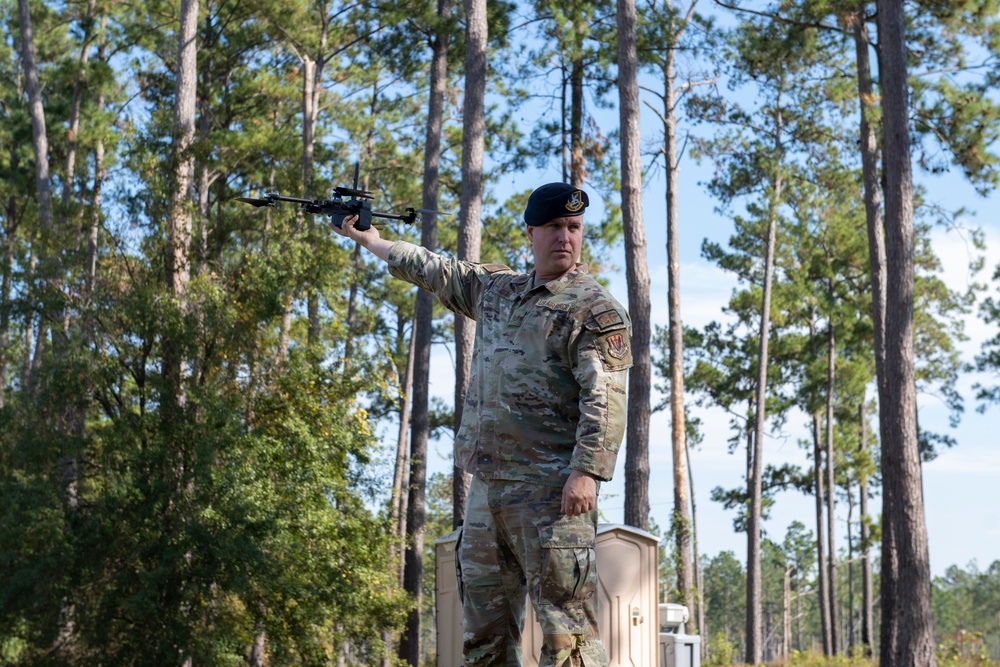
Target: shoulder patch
column 608, row 319
column 615, row 350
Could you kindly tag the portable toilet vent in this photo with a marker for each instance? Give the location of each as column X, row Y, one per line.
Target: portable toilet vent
column 628, row 615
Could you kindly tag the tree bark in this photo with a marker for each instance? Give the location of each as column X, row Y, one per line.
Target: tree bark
column 824, row 600
column 5, row 288
column 39, row 135
column 699, row 581
column 311, row 72
column 100, row 173
column 907, row 634
column 399, row 485
column 636, row 272
column 43, row 187
column 850, row 570
column 179, row 211
column 409, row 644
column 469, row 233
column 678, row 432
column 74, row 118
column 754, row 611
column 830, row 486
column 867, row 613
column 577, row 167
column 868, row 144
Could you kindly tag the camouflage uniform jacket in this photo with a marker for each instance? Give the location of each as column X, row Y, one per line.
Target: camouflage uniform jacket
column 547, row 387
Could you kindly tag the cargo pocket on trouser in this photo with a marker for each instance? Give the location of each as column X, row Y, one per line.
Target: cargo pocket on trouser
column 567, row 577
column 568, row 573
column 572, row 651
column 459, row 584
column 592, row 654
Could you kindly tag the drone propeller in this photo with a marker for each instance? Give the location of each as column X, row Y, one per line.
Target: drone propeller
column 353, row 192
column 253, row 201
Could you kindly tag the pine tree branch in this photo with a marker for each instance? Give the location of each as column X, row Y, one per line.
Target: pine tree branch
column 781, row 19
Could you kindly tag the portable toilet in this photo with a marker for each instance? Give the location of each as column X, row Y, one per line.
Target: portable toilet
column 447, row 605
column 677, row 649
column 627, row 561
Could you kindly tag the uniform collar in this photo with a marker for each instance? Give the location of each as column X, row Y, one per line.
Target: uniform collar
column 559, row 284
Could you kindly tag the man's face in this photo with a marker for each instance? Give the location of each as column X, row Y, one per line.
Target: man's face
column 556, row 246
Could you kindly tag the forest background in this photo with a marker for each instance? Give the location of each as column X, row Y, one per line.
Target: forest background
column 201, row 402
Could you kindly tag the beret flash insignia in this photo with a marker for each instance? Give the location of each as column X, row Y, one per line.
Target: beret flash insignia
column 575, row 202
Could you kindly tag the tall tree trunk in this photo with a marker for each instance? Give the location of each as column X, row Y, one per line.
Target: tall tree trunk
column 43, row 187
column 311, row 72
column 754, row 633
column 356, row 259
column 399, row 485
column 867, row 613
column 830, row 485
column 12, row 217
column 678, row 432
column 179, row 210
column 413, row 565
column 409, row 644
column 824, row 599
column 699, row 582
column 469, row 232
column 397, row 511
column 205, row 121
column 786, row 613
column 74, row 120
column 100, row 173
column 577, row 167
column 868, row 143
column 312, row 89
column 27, row 379
column 850, row 569
column 39, row 136
column 636, row 272
column 907, row 622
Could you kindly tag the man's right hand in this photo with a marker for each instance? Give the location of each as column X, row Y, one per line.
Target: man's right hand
column 369, row 238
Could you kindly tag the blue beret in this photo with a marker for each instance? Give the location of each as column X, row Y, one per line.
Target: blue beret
column 554, row 200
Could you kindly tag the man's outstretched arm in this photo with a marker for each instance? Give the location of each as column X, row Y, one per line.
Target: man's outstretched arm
column 368, row 239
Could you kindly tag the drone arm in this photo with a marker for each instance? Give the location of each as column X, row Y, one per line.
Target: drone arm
column 409, row 217
column 296, row 200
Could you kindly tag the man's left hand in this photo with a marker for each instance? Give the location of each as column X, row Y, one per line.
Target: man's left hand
column 579, row 494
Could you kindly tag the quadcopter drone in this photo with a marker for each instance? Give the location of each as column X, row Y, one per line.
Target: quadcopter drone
column 344, row 202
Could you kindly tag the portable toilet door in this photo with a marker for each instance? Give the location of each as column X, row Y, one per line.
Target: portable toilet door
column 627, row 560
column 448, row 607
column 627, row 608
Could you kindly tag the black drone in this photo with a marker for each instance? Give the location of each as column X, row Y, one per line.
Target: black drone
column 344, row 202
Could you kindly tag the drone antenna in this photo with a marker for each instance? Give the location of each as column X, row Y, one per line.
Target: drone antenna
column 357, row 168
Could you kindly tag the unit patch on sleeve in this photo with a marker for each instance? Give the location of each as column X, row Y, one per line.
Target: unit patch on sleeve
column 615, row 349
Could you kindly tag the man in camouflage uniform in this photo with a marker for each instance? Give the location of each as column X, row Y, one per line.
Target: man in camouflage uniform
column 544, row 417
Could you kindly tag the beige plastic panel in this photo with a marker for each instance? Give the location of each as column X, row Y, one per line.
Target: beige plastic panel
column 448, row 606
column 627, row 603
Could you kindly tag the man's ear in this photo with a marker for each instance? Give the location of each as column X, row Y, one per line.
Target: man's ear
column 531, row 232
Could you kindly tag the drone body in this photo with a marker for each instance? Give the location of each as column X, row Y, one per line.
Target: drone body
column 344, row 202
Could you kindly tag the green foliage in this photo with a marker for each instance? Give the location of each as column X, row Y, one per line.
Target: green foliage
column 965, row 614
column 722, row 651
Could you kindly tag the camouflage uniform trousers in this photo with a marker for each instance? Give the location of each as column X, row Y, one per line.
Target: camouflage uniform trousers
column 515, row 539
